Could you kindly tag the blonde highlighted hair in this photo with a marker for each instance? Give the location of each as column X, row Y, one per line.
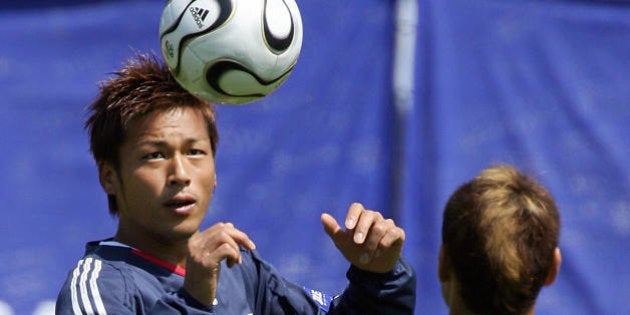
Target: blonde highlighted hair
column 500, row 232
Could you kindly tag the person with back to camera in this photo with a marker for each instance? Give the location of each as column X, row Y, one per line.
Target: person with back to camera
column 155, row 144
column 499, row 244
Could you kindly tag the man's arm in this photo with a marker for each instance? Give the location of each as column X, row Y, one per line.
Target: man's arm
column 96, row 286
column 390, row 293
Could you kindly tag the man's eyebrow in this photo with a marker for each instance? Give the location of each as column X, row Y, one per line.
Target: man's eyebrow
column 159, row 143
column 155, row 143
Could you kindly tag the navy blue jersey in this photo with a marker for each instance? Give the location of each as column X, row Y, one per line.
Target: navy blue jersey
column 115, row 279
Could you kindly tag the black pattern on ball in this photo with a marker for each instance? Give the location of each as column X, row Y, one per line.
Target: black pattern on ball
column 219, row 69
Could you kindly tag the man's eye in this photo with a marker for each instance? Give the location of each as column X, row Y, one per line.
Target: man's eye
column 154, row 155
column 196, row 152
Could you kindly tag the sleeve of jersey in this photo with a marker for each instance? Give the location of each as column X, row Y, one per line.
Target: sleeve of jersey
column 276, row 295
column 96, row 287
column 373, row 293
column 368, row 293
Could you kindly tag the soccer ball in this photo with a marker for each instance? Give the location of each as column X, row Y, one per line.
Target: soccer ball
column 231, row 51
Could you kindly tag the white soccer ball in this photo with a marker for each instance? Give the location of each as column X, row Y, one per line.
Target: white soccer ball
column 231, row 51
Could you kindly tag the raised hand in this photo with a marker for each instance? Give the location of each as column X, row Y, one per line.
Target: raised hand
column 206, row 250
column 369, row 241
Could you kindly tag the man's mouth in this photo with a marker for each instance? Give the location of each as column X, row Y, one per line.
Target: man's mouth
column 183, row 205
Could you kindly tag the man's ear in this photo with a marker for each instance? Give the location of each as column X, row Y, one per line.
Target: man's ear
column 107, row 177
column 553, row 273
column 444, row 267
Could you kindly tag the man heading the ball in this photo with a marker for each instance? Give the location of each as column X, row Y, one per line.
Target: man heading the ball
column 155, row 145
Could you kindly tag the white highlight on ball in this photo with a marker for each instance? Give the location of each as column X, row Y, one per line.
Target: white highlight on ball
column 278, row 18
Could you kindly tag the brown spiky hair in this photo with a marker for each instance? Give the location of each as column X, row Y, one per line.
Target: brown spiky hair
column 500, row 232
column 143, row 85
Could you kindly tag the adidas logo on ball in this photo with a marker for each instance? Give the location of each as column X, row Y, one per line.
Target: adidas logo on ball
column 199, row 15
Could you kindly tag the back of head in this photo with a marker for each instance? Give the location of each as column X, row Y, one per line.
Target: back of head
column 500, row 232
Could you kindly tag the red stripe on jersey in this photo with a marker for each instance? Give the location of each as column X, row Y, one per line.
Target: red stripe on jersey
column 164, row 264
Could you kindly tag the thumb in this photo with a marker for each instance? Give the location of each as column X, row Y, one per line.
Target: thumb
column 330, row 224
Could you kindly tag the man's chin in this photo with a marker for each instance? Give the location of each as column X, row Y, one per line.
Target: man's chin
column 185, row 231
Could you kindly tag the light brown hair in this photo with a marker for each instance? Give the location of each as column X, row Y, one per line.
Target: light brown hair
column 500, row 231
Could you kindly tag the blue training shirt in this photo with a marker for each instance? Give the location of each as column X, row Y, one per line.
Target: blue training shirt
column 115, row 279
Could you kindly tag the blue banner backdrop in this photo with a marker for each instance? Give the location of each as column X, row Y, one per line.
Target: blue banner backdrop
column 539, row 84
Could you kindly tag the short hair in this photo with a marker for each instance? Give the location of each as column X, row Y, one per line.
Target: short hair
column 143, row 85
column 500, row 232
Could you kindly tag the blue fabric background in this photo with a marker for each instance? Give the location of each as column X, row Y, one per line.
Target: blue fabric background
column 539, row 84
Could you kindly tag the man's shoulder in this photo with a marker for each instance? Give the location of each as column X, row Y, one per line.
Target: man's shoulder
column 108, row 255
column 111, row 268
column 108, row 274
column 101, row 262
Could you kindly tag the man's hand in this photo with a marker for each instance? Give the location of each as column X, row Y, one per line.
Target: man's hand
column 369, row 242
column 206, row 250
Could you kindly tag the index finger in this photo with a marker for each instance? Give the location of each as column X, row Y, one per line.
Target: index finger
column 242, row 238
column 233, row 233
column 354, row 212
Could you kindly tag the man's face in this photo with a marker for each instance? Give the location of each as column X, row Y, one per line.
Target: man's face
column 166, row 177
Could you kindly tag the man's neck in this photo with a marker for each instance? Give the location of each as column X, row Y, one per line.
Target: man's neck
column 174, row 252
